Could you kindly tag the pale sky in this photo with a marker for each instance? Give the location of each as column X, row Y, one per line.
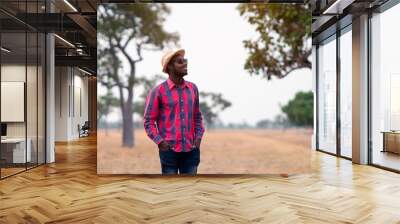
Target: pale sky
column 212, row 36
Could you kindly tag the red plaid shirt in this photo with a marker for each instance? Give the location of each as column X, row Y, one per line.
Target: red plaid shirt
column 172, row 113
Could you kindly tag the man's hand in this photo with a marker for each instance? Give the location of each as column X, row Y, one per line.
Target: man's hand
column 197, row 142
column 163, row 146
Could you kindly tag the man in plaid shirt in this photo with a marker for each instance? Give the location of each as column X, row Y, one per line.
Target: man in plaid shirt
column 172, row 117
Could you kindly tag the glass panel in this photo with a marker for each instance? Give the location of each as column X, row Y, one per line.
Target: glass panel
column 327, row 96
column 41, row 99
column 346, row 94
column 23, row 82
column 31, row 98
column 385, row 84
column 16, row 9
column 17, row 6
column 31, row 84
column 13, row 87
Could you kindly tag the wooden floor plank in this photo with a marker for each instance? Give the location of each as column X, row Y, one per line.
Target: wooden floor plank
column 70, row 191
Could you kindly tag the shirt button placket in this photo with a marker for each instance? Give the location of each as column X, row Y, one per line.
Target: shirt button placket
column 182, row 118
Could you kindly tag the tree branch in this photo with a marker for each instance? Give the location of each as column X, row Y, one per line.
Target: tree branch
column 108, row 84
column 139, row 52
column 291, row 70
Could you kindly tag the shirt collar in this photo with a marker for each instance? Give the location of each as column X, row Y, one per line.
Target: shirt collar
column 171, row 84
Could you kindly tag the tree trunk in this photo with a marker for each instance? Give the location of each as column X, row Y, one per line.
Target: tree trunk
column 127, row 118
column 127, row 107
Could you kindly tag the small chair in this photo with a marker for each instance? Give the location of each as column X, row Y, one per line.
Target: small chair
column 84, row 130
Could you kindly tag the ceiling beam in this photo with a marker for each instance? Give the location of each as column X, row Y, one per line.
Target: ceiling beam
column 86, row 26
column 77, row 61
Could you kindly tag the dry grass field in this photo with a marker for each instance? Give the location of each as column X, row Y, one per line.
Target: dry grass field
column 222, row 152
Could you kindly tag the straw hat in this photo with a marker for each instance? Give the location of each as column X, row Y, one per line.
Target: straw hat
column 168, row 56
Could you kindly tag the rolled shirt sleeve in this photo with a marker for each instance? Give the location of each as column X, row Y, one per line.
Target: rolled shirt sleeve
column 198, row 117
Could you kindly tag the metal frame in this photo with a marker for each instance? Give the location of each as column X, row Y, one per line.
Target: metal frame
column 44, row 75
column 338, row 99
column 316, row 98
column 387, row 5
column 0, row 89
column 37, row 93
column 369, row 105
column 25, row 89
column 45, row 90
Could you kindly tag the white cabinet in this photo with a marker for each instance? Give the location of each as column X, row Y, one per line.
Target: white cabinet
column 18, row 149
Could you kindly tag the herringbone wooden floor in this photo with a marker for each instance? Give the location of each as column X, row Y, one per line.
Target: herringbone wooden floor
column 69, row 191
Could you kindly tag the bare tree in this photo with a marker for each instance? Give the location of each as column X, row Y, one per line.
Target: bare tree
column 120, row 27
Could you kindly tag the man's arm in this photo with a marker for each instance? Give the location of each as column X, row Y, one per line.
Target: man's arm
column 151, row 111
column 198, row 119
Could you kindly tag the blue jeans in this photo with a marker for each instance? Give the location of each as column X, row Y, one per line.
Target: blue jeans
column 183, row 162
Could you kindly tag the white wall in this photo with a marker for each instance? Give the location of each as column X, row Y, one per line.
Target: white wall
column 33, row 126
column 71, row 94
column 16, row 73
column 50, row 95
column 80, row 110
column 62, row 80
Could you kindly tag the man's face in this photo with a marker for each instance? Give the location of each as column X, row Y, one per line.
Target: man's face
column 179, row 64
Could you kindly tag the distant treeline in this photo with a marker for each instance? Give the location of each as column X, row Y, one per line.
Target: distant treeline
column 278, row 123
